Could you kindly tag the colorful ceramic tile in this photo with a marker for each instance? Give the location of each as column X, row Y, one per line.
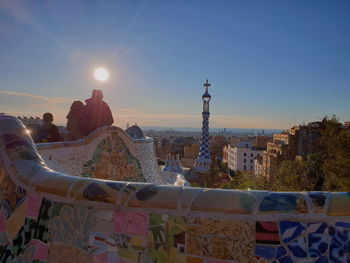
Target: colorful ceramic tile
column 267, row 252
column 339, row 204
column 291, row 230
column 54, row 183
column 267, row 233
column 322, row 260
column 339, row 238
column 3, row 220
column 318, row 200
column 317, row 245
column 131, row 223
column 343, row 224
column 160, row 254
column 138, row 242
column 131, row 189
column 33, row 206
column 41, row 250
column 97, row 192
column 194, row 245
column 281, row 252
column 63, row 253
column 21, row 149
column 298, row 247
column 276, row 203
column 158, row 196
column 70, row 224
column 113, row 160
column 14, row 197
column 218, row 247
column 107, row 247
column 238, row 202
column 317, row 228
column 286, row 259
column 189, row 194
column 16, row 221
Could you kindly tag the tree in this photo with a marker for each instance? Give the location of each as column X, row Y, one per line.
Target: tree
column 300, row 175
column 246, row 180
column 336, row 166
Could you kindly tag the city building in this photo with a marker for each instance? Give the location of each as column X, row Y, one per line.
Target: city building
column 241, row 157
column 299, row 141
column 217, row 145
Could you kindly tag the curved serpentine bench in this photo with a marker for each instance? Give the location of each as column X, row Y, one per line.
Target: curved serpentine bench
column 46, row 216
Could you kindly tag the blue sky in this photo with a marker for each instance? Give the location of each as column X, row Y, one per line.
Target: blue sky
column 272, row 64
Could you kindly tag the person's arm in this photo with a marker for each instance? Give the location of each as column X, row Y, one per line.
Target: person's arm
column 109, row 117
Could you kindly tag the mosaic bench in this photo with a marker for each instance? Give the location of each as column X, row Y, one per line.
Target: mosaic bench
column 47, row 216
column 107, row 153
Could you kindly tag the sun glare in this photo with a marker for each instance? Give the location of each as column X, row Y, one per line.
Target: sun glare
column 101, row 74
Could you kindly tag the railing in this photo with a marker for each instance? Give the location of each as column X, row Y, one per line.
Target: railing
column 47, row 216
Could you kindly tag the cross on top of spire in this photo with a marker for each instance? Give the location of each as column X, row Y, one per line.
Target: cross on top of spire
column 206, row 84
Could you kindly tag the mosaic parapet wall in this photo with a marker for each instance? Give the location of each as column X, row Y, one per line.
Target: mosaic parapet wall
column 47, row 216
column 107, row 153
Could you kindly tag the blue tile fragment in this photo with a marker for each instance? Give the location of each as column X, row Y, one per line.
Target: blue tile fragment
column 297, row 251
column 281, row 202
column 281, row 251
column 343, row 224
column 322, row 260
column 290, row 230
column 318, row 245
column 338, row 244
column 317, row 227
column 265, row 251
column 286, row 259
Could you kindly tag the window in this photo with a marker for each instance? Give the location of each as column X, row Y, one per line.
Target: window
column 251, row 160
column 245, row 160
column 251, row 155
column 251, row 167
column 244, row 167
column 245, row 154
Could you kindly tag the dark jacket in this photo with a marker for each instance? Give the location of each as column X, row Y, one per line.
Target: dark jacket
column 74, row 124
column 48, row 133
column 96, row 114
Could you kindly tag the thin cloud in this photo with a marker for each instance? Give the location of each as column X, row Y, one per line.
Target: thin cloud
column 26, row 104
column 20, row 103
column 53, row 100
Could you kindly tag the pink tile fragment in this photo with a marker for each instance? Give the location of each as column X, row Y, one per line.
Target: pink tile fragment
column 33, row 206
column 41, row 250
column 131, row 223
column 3, row 221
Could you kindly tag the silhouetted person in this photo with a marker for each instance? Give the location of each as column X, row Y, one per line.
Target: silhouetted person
column 74, row 121
column 48, row 132
column 97, row 113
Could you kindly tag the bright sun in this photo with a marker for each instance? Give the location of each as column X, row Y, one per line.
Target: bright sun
column 101, row 74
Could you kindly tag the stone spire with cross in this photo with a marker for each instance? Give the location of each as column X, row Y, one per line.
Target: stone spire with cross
column 203, row 160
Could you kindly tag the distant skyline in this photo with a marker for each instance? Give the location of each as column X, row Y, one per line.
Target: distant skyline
column 272, row 64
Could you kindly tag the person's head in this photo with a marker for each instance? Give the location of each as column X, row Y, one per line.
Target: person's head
column 48, row 117
column 97, row 94
column 77, row 105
